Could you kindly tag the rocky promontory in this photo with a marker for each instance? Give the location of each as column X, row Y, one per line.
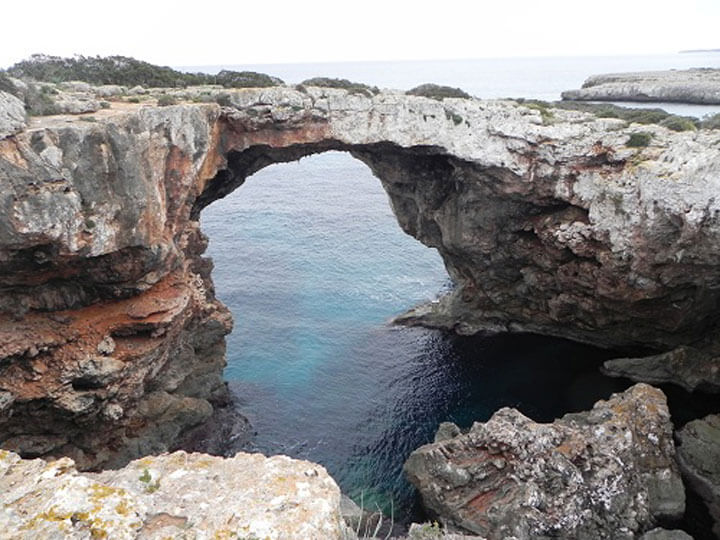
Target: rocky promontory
column 699, row 86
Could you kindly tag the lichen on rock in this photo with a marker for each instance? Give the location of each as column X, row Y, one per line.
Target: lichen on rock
column 606, row 473
column 179, row 495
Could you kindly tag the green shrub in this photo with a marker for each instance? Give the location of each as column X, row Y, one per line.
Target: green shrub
column 223, row 100
column 134, row 100
column 350, row 86
column 712, row 122
column 6, row 84
column 105, row 104
column 436, row 91
column 543, row 107
column 245, row 79
column 39, row 100
column 639, row 139
column 679, row 123
column 165, row 100
column 126, row 71
column 456, row 118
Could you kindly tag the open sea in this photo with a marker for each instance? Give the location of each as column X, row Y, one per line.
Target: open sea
column 312, row 263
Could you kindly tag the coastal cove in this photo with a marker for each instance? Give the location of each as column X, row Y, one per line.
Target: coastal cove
column 392, row 288
column 309, row 259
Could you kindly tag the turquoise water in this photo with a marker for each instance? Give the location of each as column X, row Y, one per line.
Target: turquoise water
column 309, row 258
column 312, row 263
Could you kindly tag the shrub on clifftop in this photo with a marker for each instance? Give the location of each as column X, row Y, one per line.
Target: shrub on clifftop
column 126, row 71
column 245, row 79
column 436, row 91
column 6, row 84
column 350, row 86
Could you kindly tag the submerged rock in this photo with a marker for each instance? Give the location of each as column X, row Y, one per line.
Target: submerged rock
column 607, row 473
column 699, row 458
column 700, row 86
column 179, row 495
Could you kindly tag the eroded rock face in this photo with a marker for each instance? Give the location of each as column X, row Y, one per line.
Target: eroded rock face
column 557, row 228
column 694, row 369
column 12, row 115
column 179, row 495
column 606, row 473
column 701, row 86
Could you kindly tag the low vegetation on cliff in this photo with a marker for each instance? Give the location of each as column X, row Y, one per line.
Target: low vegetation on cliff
column 436, row 91
column 126, row 71
column 350, row 86
column 631, row 115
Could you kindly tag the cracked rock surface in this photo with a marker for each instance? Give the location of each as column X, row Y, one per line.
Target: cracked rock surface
column 606, row 473
column 179, row 495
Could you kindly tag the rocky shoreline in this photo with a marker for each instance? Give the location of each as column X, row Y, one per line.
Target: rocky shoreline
column 699, row 86
column 549, row 221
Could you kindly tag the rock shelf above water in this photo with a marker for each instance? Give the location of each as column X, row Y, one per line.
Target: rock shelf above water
column 698, row 86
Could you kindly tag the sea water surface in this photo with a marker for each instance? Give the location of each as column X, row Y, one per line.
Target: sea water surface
column 312, row 263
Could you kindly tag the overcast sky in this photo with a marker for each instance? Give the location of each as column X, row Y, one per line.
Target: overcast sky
column 207, row 32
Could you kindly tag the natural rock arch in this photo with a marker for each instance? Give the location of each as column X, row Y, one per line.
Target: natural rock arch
column 111, row 341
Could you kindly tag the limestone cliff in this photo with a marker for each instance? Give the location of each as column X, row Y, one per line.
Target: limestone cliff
column 700, row 86
column 111, row 339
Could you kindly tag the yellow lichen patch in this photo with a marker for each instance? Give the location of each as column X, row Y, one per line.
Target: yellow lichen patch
column 100, row 491
column 122, row 508
column 51, row 515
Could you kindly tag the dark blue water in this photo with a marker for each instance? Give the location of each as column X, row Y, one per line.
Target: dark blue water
column 312, row 263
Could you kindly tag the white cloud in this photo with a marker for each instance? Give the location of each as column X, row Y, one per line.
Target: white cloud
column 218, row 32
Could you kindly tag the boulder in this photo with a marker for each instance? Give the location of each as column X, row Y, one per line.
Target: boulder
column 606, row 473
column 665, row 534
column 699, row 458
column 12, row 115
column 175, row 495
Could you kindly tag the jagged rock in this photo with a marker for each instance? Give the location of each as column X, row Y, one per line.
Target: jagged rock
column 106, row 346
column 12, row 115
column 76, row 86
column 554, row 227
column 109, row 90
column 701, row 86
column 606, row 473
column 693, row 369
column 179, row 495
column 664, row 534
column 359, row 519
column 699, row 458
column 432, row 531
column 445, row 431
